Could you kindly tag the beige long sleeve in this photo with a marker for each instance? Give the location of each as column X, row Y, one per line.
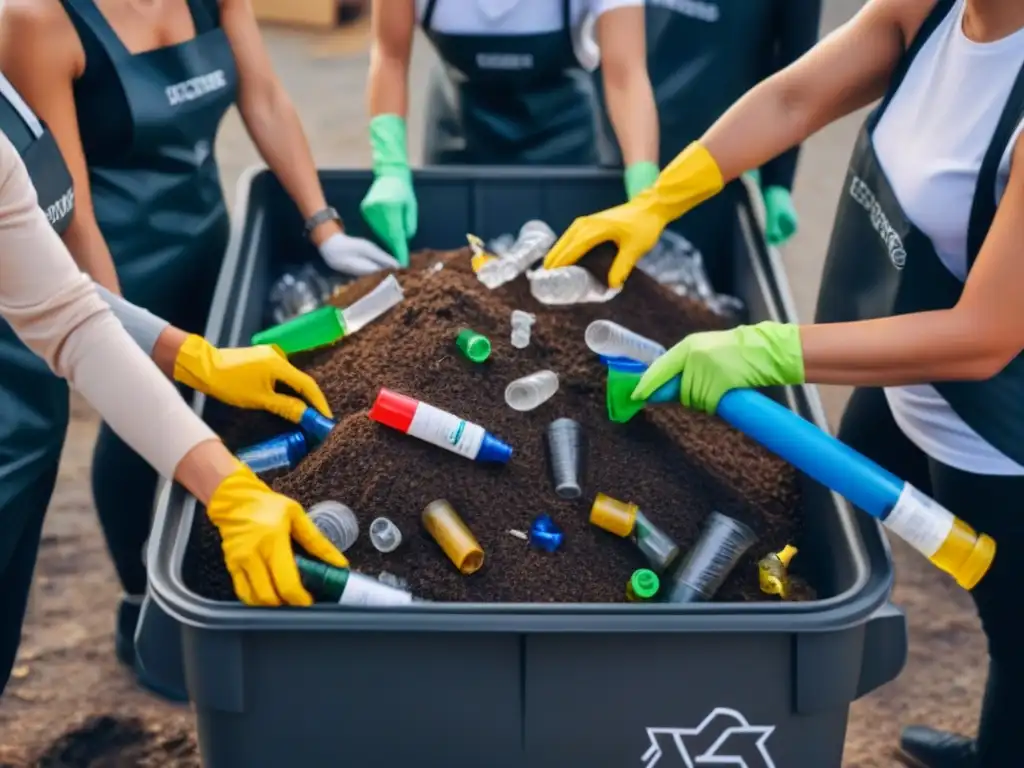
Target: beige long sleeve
column 55, row 310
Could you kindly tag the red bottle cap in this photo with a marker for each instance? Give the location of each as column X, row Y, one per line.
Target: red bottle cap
column 393, row 410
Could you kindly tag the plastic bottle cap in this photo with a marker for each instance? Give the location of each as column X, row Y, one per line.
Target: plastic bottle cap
column 473, row 345
column 614, row 516
column 393, row 410
column 645, row 583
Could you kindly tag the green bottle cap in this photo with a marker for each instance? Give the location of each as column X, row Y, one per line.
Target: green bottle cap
column 318, row 328
column 321, row 579
column 473, row 345
column 645, row 583
column 619, row 395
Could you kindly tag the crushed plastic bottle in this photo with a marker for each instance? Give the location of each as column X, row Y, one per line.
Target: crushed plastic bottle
column 534, row 241
column 609, row 339
column 385, row 535
column 392, row 580
column 502, row 244
column 386, row 295
column 297, row 292
column 568, row 285
column 529, row 392
column 336, row 522
column 773, row 571
column 522, row 323
column 677, row 264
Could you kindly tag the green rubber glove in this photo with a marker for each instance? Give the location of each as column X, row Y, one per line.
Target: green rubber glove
column 716, row 362
column 390, row 206
column 782, row 218
column 640, row 176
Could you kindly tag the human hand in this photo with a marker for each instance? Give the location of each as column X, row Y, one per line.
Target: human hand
column 354, row 255
column 780, row 214
column 715, row 362
column 390, row 206
column 245, row 377
column 256, row 528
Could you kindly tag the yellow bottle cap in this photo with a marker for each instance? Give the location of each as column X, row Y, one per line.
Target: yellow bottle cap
column 455, row 539
column 614, row 516
column 977, row 563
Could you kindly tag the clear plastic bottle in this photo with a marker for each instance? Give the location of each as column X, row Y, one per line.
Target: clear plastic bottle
column 522, row 323
column 528, row 392
column 290, row 297
column 392, row 580
column 385, row 535
column 568, row 285
column 374, row 304
column 604, row 337
column 534, row 241
column 336, row 522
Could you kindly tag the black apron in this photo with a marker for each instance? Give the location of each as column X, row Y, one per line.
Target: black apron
column 159, row 204
column 33, row 401
column 701, row 59
column 879, row 264
column 508, row 100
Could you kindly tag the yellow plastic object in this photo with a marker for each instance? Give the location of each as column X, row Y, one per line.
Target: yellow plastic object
column 614, row 516
column 772, row 571
column 246, row 377
column 481, row 255
column 256, row 527
column 965, row 554
column 453, row 536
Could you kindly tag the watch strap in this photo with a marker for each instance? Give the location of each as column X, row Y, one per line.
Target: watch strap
column 322, row 216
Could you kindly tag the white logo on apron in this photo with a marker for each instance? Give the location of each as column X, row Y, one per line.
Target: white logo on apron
column 62, row 207
column 195, row 87
column 506, row 61
column 860, row 192
column 702, row 10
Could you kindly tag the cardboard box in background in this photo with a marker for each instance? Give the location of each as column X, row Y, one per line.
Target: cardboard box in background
column 321, row 14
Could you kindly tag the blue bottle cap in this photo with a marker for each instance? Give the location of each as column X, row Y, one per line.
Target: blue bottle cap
column 297, row 446
column 316, row 424
column 613, row 361
column 544, row 534
column 493, row 449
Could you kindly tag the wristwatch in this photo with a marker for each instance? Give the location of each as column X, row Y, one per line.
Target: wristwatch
column 322, row 216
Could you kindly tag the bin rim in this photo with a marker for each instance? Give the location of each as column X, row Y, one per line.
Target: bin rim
column 176, row 508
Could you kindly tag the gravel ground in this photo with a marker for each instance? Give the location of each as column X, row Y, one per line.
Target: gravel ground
column 66, row 674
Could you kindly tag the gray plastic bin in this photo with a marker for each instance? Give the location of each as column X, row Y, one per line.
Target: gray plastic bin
column 520, row 685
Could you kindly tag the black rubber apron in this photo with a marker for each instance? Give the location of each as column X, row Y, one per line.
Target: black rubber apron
column 879, row 264
column 508, row 99
column 700, row 62
column 33, row 401
column 161, row 209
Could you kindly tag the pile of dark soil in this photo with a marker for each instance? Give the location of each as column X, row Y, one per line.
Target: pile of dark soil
column 111, row 742
column 677, row 465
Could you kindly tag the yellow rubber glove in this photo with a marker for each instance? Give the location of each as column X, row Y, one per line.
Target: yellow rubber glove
column 635, row 227
column 245, row 377
column 257, row 527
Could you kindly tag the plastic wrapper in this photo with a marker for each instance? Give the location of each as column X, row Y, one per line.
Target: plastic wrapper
column 677, row 264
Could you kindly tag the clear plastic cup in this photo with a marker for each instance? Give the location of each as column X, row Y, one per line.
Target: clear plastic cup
column 723, row 541
column 374, row 304
column 528, row 392
column 336, row 522
column 604, row 337
column 385, row 535
column 568, row 285
column 522, row 323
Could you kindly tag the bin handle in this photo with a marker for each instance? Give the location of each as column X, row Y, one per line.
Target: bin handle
column 885, row 649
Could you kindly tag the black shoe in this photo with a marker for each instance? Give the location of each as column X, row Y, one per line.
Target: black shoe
column 923, row 747
column 124, row 635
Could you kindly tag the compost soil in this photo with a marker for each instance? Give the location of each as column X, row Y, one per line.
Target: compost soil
column 677, row 465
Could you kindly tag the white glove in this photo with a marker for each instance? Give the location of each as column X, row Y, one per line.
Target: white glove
column 354, row 255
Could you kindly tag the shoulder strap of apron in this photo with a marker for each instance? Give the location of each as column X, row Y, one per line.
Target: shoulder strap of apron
column 428, row 15
column 983, row 208
column 931, row 23
column 567, row 22
column 12, row 97
column 93, row 18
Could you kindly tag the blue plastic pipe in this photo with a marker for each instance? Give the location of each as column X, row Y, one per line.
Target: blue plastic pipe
column 832, row 463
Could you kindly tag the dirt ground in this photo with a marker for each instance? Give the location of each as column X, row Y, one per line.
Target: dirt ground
column 66, row 675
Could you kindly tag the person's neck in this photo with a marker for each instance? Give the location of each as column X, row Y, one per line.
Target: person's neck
column 986, row 21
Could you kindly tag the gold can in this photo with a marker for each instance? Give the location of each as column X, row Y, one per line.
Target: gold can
column 453, row 536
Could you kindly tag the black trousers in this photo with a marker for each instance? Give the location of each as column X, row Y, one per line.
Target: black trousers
column 991, row 504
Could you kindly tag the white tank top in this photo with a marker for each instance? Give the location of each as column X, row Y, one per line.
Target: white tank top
column 930, row 142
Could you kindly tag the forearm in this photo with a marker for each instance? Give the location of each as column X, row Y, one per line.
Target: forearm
column 204, row 468
column 387, row 87
column 905, row 349
column 274, row 126
column 143, row 326
column 633, row 114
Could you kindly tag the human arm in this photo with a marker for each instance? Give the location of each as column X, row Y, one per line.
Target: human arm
column 272, row 121
column 390, row 206
column 244, row 377
column 621, row 36
column 41, row 55
column 845, row 71
column 972, row 341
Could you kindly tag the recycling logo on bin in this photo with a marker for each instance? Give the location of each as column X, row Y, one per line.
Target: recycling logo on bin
column 724, row 738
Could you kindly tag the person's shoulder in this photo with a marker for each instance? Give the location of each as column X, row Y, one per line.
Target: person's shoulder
column 908, row 15
column 40, row 28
